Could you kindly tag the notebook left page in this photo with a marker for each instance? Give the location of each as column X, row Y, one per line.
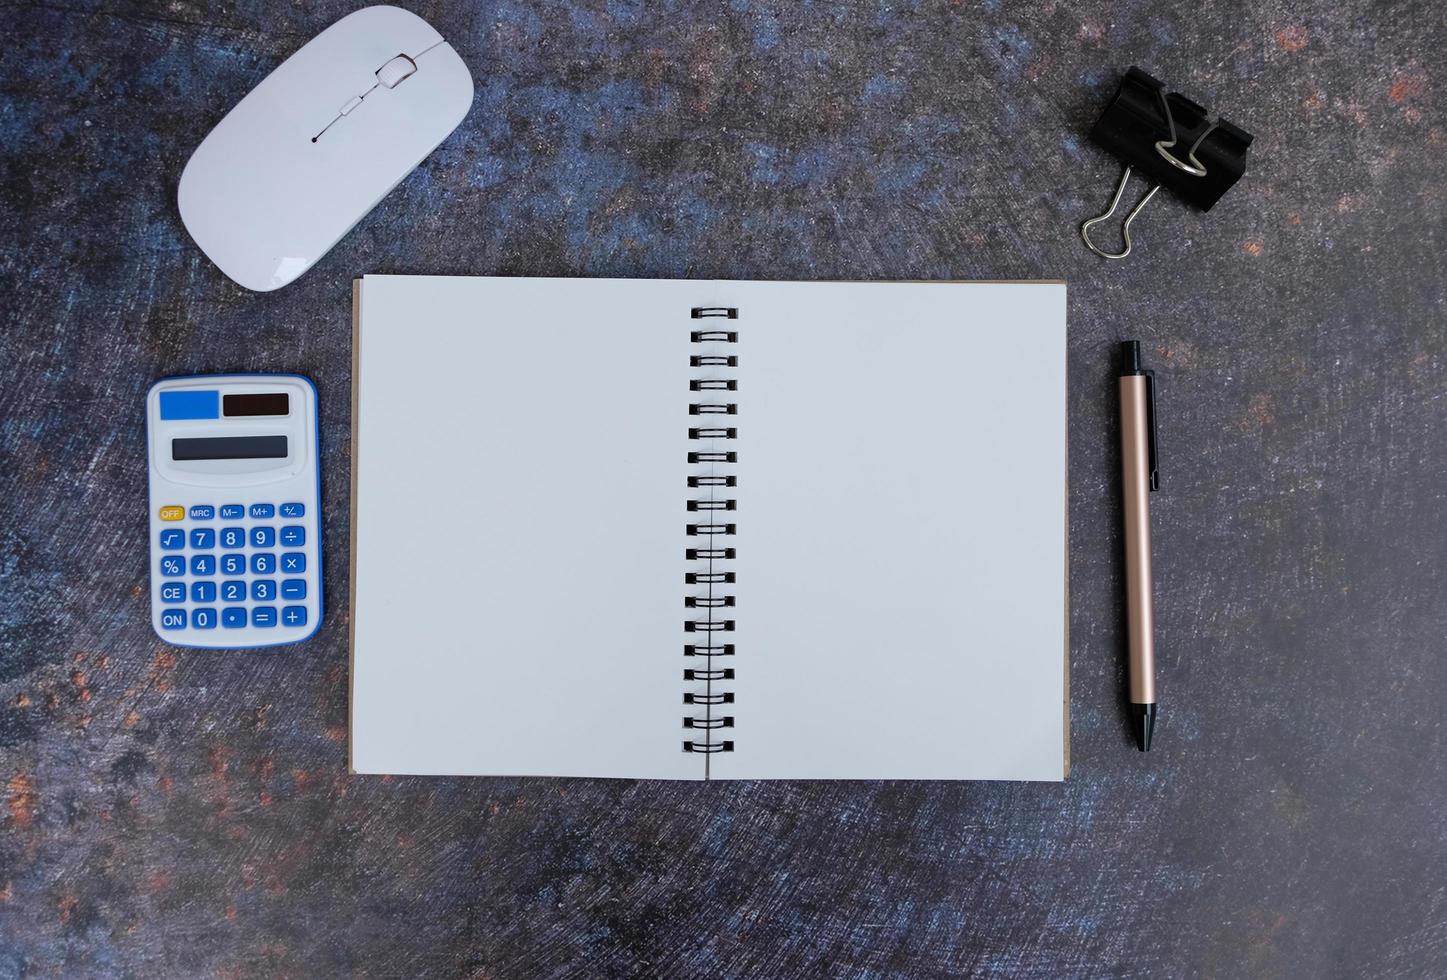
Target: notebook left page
column 516, row 530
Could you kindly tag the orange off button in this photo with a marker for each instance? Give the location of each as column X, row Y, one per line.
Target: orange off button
column 172, row 513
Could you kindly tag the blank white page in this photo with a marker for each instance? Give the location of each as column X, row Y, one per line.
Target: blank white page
column 519, row 515
column 901, row 532
column 517, row 559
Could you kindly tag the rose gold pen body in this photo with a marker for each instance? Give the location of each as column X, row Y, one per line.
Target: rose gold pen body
column 1139, row 477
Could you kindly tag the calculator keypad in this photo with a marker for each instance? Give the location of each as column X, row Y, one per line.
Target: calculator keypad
column 233, row 575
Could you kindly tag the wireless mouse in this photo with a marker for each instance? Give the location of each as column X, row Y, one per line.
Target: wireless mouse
column 313, row 148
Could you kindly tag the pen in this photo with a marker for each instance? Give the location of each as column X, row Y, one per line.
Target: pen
column 1140, row 475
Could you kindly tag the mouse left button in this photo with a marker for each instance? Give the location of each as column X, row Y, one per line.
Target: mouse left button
column 396, row 70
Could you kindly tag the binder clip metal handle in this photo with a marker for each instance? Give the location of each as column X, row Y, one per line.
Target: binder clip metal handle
column 1125, row 227
column 1142, row 125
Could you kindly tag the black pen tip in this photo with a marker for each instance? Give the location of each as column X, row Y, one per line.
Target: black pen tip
column 1143, row 724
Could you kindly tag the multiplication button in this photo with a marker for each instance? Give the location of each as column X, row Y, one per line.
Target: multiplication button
column 293, row 562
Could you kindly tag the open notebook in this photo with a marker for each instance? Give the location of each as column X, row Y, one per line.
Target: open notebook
column 707, row 529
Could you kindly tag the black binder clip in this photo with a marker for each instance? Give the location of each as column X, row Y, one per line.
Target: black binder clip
column 1173, row 142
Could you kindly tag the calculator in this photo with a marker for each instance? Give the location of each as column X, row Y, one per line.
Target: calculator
column 235, row 507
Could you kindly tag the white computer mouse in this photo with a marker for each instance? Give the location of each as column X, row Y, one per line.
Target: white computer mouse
column 319, row 142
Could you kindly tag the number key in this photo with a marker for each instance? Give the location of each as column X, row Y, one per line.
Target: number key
column 233, row 564
column 233, row 538
column 203, row 619
column 263, row 537
column 203, row 591
column 263, row 564
column 203, row 564
column 233, row 590
column 203, row 538
column 173, row 539
column 263, row 589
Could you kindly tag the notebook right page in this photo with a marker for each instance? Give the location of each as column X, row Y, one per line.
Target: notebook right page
column 901, row 532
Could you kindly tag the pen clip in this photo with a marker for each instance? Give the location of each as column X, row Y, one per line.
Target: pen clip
column 1154, row 459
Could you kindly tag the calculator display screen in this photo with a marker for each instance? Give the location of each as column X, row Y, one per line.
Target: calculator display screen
column 230, row 447
column 265, row 403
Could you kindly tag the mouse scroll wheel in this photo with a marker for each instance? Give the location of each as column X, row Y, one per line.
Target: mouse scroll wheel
column 395, row 70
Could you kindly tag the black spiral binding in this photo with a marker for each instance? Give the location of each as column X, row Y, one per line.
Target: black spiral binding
column 709, row 619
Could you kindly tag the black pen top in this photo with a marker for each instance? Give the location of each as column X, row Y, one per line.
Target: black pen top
column 1130, row 358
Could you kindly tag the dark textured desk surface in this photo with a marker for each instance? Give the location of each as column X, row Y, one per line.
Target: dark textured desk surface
column 186, row 814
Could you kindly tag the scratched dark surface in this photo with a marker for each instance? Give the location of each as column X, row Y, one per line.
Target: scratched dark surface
column 173, row 813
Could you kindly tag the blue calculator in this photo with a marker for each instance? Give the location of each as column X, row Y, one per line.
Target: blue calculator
column 235, row 506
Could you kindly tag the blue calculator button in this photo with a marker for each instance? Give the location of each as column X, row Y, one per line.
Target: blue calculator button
column 203, row 564
column 263, row 564
column 172, row 566
column 233, row 538
column 263, row 537
column 233, row 617
column 173, row 619
column 293, row 510
column 262, row 511
column 263, row 616
column 293, row 536
column 293, row 562
column 175, row 592
column 263, row 589
column 233, row 590
column 293, row 588
column 232, row 512
column 203, row 537
column 203, row 591
column 173, row 539
column 294, row 616
column 203, row 619
column 202, row 512
column 233, row 564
